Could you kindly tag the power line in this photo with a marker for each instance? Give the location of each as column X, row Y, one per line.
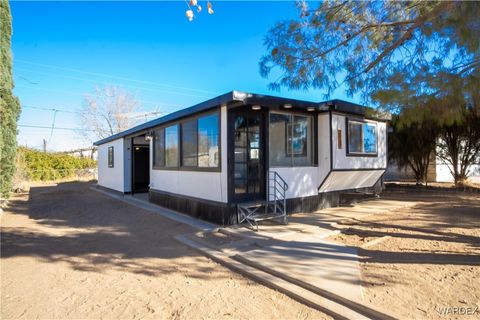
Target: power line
column 93, row 94
column 106, row 83
column 53, row 125
column 54, row 128
column 49, row 109
column 139, row 115
column 113, row 77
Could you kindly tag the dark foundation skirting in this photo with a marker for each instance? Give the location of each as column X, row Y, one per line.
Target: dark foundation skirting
column 212, row 211
column 225, row 214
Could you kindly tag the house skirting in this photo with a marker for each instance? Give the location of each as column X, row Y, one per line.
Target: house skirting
column 226, row 214
column 213, row 211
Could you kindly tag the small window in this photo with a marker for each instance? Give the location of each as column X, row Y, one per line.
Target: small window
column 339, row 138
column 110, row 157
column 362, row 138
column 171, row 146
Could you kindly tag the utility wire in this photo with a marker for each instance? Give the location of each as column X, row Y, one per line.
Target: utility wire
column 140, row 115
column 97, row 95
column 53, row 125
column 107, row 83
column 114, row 77
column 49, row 109
column 54, row 128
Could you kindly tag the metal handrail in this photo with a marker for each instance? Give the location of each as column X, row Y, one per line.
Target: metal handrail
column 278, row 197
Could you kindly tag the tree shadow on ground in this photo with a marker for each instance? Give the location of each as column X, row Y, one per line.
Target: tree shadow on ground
column 93, row 232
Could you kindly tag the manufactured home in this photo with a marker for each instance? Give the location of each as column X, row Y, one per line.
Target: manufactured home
column 218, row 160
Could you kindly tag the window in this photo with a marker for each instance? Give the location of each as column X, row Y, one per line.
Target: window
column 171, row 146
column 189, row 143
column 159, row 148
column 339, row 138
column 369, row 138
column 199, row 147
column 110, row 157
column 208, row 141
column 290, row 140
column 362, row 138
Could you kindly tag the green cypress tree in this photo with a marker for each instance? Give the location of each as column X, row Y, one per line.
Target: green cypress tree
column 9, row 104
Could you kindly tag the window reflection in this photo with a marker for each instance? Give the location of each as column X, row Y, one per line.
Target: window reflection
column 208, row 153
column 290, row 140
column 362, row 137
column 171, row 146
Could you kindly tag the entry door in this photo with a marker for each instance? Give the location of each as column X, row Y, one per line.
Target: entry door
column 248, row 156
column 141, row 170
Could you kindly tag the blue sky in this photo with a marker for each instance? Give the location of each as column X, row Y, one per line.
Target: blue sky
column 62, row 50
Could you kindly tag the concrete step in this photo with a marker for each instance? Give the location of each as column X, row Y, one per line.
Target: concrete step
column 355, row 306
column 318, row 299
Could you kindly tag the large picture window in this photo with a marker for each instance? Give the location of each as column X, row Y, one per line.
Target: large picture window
column 362, row 138
column 199, row 147
column 290, row 140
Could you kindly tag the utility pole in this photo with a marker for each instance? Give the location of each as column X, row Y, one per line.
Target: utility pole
column 44, row 146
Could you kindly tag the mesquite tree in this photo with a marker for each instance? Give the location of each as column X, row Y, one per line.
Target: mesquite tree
column 459, row 144
column 412, row 143
column 400, row 48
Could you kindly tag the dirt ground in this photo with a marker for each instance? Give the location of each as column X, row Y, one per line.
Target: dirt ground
column 70, row 252
column 421, row 262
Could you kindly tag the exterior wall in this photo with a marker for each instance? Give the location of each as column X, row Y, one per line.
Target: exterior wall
column 212, row 186
column 302, row 181
column 324, row 163
column 340, row 158
column 444, row 175
column 127, row 164
column 305, row 181
column 112, row 178
column 347, row 180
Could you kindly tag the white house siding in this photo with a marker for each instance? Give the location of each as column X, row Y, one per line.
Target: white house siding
column 340, row 158
column 112, row 178
column 302, row 181
column 127, row 164
column 198, row 184
column 323, row 147
column 345, row 180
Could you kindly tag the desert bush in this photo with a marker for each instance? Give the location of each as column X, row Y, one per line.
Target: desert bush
column 34, row 165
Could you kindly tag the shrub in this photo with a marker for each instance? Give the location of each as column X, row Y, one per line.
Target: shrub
column 39, row 166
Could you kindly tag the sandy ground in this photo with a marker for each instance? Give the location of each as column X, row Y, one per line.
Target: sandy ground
column 70, row 252
column 427, row 258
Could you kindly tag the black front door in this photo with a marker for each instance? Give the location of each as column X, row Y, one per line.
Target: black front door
column 247, row 173
column 141, row 171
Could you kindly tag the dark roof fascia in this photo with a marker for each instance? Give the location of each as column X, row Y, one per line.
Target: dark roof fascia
column 346, row 107
column 203, row 106
column 272, row 101
column 251, row 99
